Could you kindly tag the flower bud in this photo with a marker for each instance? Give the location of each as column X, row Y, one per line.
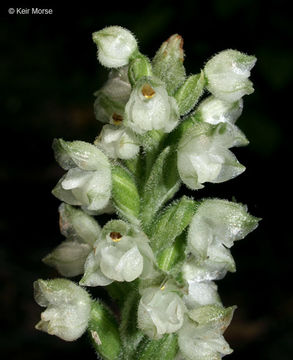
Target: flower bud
column 160, row 311
column 112, row 97
column 68, row 308
column 203, row 156
column 227, row 75
column 150, row 108
column 115, row 45
column 119, row 142
column 122, row 254
column 168, row 63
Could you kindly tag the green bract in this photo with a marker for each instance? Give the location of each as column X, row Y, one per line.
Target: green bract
column 158, row 256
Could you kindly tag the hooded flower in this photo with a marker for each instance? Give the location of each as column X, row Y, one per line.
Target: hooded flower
column 212, row 232
column 214, row 111
column 115, row 45
column 122, row 253
column 68, row 308
column 204, row 156
column 81, row 232
column 160, row 311
column 227, row 74
column 88, row 180
column 150, row 107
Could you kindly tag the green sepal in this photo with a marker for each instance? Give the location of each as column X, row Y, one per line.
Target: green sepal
column 189, row 93
column 171, row 223
column 138, row 68
column 104, row 332
column 163, row 349
column 131, row 336
column 163, row 182
column 125, row 194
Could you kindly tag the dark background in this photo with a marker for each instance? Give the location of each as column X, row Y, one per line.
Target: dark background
column 48, row 73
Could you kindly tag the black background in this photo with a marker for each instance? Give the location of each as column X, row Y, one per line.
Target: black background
column 48, row 73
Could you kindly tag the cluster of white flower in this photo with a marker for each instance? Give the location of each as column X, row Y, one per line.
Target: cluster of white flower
column 173, row 258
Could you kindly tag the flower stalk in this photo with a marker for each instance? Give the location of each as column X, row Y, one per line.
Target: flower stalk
column 158, row 255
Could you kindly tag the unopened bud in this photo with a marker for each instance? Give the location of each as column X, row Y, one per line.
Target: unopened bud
column 115, row 45
column 168, row 63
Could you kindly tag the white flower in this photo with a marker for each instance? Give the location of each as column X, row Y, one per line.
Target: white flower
column 201, row 342
column 215, row 111
column 118, row 142
column 68, row 308
column 122, row 253
column 218, row 221
column 227, row 74
column 88, row 180
column 115, row 45
column 112, row 97
column 150, row 107
column 81, row 231
column 203, row 156
column 201, row 334
column 160, row 311
column 212, row 231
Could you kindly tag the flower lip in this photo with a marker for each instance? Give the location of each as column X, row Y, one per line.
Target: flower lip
column 115, row 236
column 147, row 91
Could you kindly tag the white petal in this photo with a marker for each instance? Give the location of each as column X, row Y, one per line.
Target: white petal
column 93, row 276
column 201, row 293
